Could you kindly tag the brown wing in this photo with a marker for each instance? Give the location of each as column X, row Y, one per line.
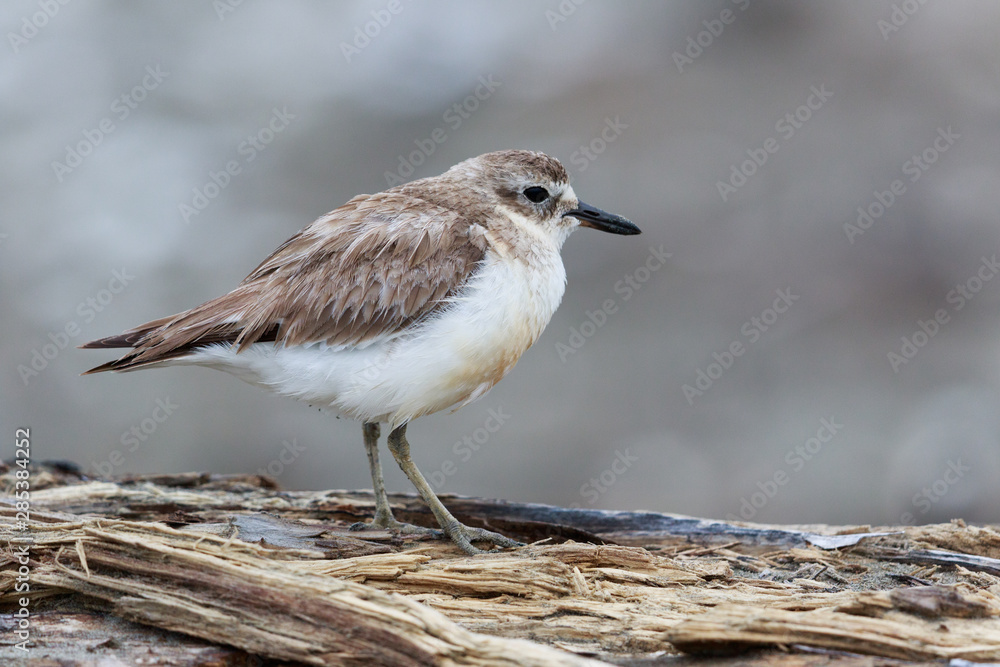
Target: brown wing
column 362, row 272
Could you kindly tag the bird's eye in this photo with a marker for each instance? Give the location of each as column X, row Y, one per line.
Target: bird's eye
column 536, row 194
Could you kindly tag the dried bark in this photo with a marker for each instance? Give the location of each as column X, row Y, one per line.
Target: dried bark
column 206, row 569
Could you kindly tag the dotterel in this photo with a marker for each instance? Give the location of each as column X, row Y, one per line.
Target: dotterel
column 394, row 306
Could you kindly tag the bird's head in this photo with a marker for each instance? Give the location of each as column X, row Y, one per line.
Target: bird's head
column 534, row 189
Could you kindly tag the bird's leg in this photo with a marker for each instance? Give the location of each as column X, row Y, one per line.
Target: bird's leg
column 383, row 513
column 459, row 533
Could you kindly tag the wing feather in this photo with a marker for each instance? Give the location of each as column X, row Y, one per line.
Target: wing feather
column 360, row 273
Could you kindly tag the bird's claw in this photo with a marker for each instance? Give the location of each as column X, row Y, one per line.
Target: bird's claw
column 394, row 526
column 464, row 536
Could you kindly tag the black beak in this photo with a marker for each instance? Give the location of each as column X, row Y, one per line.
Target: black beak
column 591, row 216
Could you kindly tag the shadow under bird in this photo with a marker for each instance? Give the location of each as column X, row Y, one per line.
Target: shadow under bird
column 394, row 306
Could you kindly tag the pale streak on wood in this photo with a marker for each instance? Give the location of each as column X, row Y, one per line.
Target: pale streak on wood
column 895, row 636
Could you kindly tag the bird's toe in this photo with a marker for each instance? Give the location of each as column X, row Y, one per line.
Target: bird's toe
column 464, row 536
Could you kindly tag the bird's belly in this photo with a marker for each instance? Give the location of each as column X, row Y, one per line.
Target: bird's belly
column 453, row 358
column 458, row 356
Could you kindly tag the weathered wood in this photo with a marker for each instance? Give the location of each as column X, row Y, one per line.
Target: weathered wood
column 220, row 568
column 892, row 633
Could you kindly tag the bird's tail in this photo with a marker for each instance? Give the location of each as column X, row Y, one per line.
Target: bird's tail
column 133, row 338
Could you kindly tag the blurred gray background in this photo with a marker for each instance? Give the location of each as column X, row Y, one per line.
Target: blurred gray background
column 118, row 115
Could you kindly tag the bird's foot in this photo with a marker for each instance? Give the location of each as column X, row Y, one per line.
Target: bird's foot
column 457, row 532
column 392, row 525
column 464, row 536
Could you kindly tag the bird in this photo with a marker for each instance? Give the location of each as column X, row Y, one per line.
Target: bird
column 394, row 306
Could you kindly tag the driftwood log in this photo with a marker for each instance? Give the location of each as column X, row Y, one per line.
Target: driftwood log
column 200, row 569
